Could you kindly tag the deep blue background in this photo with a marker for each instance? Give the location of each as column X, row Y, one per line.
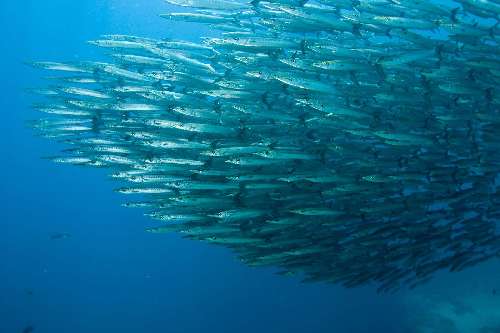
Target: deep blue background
column 111, row 276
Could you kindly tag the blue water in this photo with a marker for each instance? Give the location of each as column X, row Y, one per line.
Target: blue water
column 111, row 276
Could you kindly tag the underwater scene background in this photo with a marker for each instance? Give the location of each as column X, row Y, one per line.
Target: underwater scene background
column 73, row 260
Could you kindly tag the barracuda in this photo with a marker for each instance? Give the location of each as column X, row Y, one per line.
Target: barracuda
column 351, row 141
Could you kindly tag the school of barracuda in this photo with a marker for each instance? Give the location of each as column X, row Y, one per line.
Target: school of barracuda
column 349, row 141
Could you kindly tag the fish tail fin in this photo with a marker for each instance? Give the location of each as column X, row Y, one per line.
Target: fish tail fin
column 380, row 71
column 356, row 29
column 453, row 15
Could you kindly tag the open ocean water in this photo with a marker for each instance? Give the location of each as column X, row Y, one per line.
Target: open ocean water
column 111, row 276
